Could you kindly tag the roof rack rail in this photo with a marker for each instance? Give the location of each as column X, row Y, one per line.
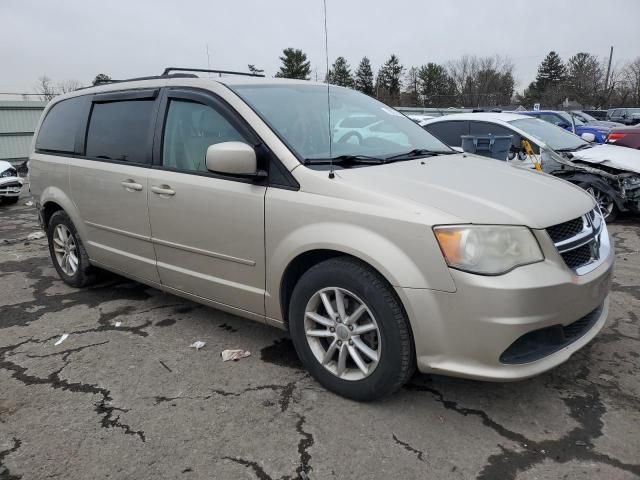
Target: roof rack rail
column 152, row 77
column 206, row 70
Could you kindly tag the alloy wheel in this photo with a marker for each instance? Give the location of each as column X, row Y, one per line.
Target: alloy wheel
column 342, row 333
column 65, row 250
column 604, row 201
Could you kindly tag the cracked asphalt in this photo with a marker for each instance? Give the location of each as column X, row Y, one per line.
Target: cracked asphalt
column 135, row 402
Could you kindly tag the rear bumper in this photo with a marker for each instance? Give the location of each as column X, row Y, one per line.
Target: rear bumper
column 469, row 333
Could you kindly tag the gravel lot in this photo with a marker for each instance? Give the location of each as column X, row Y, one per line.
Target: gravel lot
column 134, row 402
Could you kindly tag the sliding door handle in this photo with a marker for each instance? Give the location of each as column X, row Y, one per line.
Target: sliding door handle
column 131, row 185
column 163, row 190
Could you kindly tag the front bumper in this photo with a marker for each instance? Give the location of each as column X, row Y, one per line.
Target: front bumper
column 10, row 186
column 465, row 333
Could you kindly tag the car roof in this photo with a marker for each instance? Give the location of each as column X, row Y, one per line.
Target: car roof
column 496, row 117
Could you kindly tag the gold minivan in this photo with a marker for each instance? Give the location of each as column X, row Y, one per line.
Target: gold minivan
column 379, row 249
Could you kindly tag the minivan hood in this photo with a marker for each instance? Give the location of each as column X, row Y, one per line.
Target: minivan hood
column 476, row 190
column 622, row 158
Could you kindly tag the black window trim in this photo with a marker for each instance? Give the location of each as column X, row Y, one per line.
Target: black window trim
column 265, row 156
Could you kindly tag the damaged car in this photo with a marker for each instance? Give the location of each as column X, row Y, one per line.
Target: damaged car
column 10, row 183
column 611, row 174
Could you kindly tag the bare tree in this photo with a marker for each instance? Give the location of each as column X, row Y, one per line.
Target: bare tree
column 69, row 86
column 45, row 88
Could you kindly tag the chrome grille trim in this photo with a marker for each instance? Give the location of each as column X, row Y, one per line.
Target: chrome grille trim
column 594, row 234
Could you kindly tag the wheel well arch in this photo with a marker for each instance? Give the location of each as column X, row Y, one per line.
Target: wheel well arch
column 48, row 209
column 303, row 262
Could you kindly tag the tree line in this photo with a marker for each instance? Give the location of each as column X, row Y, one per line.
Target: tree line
column 473, row 81
column 469, row 81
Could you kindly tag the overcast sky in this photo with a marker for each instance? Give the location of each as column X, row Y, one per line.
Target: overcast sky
column 76, row 39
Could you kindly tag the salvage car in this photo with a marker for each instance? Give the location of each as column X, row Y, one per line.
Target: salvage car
column 625, row 137
column 608, row 172
column 589, row 132
column 591, row 120
column 10, row 183
column 376, row 255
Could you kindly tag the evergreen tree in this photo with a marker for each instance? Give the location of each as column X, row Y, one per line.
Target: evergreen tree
column 389, row 80
column 584, row 78
column 256, row 71
column 551, row 72
column 101, row 78
column 340, row 73
column 294, row 64
column 364, row 77
column 436, row 87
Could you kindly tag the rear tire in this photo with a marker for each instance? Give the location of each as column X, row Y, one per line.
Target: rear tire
column 384, row 357
column 67, row 252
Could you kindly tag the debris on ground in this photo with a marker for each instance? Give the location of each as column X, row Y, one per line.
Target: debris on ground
column 61, row 339
column 36, row 235
column 197, row 344
column 118, row 324
column 29, row 204
column 234, row 354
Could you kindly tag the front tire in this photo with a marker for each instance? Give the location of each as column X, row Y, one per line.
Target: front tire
column 350, row 330
column 67, row 252
column 605, row 201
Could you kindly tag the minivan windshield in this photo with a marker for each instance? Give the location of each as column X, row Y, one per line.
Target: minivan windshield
column 361, row 128
column 555, row 137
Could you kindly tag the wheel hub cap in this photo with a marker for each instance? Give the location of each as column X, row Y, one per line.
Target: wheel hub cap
column 342, row 332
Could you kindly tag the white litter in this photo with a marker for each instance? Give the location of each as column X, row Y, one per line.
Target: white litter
column 35, row 235
column 62, row 339
column 29, row 204
column 197, row 345
column 118, row 324
column 234, row 354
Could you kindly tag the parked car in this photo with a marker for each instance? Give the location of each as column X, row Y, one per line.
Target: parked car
column 376, row 256
column 591, row 133
column 590, row 120
column 419, row 119
column 597, row 114
column 360, row 127
column 10, row 183
column 608, row 172
column 625, row 137
column 626, row 116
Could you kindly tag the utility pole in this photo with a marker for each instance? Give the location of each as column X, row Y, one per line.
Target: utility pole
column 606, row 78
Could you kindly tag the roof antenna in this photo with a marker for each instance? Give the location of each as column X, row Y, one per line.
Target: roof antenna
column 326, row 53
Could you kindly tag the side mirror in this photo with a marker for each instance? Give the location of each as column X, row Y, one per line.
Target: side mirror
column 588, row 137
column 233, row 158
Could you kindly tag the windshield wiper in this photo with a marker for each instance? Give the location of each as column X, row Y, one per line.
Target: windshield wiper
column 417, row 152
column 345, row 159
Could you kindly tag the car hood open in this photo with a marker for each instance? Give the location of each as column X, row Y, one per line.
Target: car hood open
column 614, row 156
column 477, row 190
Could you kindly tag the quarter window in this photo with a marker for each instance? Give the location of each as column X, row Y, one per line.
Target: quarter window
column 190, row 129
column 60, row 126
column 121, row 131
column 449, row 132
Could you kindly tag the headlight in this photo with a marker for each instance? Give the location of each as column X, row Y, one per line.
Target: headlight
column 9, row 172
column 487, row 249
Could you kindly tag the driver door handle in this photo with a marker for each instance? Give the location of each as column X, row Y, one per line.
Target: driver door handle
column 163, row 190
column 131, row 185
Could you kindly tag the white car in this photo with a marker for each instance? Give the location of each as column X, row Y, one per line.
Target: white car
column 357, row 128
column 609, row 172
column 10, row 183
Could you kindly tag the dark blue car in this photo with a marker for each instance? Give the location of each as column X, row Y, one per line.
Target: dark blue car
column 564, row 120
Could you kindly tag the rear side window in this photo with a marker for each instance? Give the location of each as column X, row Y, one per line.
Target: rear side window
column 60, row 126
column 449, row 132
column 121, row 131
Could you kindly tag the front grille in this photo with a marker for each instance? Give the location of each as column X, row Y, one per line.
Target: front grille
column 578, row 240
column 11, row 185
column 540, row 343
column 565, row 230
column 577, row 257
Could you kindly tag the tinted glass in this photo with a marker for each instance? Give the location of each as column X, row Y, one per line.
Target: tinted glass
column 299, row 114
column 449, row 132
column 189, row 130
column 59, row 128
column 121, row 131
